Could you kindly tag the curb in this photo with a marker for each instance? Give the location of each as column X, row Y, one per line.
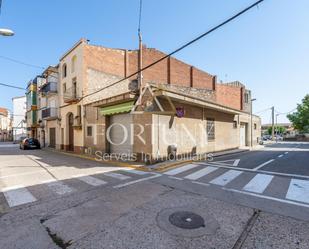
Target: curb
column 112, row 163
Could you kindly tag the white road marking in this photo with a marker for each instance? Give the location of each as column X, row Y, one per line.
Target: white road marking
column 232, row 162
column 236, row 162
column 267, row 197
column 264, row 164
column 134, row 171
column 176, row 178
column 227, row 177
column 280, row 156
column 201, row 183
column 17, row 195
column 180, row 169
column 298, row 190
column 286, row 152
column 117, row 175
column 137, row 181
column 58, row 187
column 259, row 183
column 90, row 180
column 198, row 174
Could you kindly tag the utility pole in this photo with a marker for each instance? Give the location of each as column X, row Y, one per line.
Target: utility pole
column 140, row 52
column 273, row 123
column 251, row 123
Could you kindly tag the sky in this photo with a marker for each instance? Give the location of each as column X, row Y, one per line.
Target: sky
column 267, row 49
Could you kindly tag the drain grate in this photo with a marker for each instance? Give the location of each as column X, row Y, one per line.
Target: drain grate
column 186, row 220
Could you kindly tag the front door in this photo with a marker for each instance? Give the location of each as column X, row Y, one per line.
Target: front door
column 52, row 137
column 71, row 133
column 242, row 135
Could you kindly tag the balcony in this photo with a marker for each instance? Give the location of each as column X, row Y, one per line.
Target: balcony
column 71, row 95
column 49, row 88
column 49, row 113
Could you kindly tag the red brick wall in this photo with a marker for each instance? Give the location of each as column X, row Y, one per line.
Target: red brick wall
column 172, row 71
column 107, row 60
column 229, row 96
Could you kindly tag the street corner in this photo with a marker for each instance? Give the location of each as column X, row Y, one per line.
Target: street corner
column 170, row 217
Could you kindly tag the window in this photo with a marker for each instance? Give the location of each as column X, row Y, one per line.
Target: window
column 235, row 124
column 89, row 131
column 210, row 129
column 246, row 98
column 73, row 64
column 64, row 70
column 64, row 86
column 254, row 126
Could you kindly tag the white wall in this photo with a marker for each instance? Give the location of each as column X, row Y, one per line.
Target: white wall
column 19, row 111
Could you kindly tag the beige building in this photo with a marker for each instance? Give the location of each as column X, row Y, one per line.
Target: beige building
column 181, row 107
column 5, row 125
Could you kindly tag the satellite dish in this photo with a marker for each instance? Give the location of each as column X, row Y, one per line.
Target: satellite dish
column 6, row 32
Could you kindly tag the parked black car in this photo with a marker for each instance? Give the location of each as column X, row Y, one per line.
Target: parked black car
column 29, row 143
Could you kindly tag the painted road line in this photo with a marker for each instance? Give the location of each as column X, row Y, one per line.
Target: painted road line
column 137, row 181
column 286, row 152
column 58, row 187
column 266, row 197
column 134, row 171
column 236, row 162
column 298, row 191
column 259, row 183
column 176, row 178
column 280, row 156
column 198, row 174
column 227, row 177
column 264, row 164
column 90, row 180
column 201, row 183
column 117, row 176
column 180, row 169
column 17, row 195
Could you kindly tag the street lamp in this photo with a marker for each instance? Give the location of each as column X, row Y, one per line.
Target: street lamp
column 6, row 32
column 251, row 140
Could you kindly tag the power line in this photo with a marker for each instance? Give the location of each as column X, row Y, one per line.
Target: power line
column 12, row 86
column 180, row 48
column 20, row 62
column 263, row 110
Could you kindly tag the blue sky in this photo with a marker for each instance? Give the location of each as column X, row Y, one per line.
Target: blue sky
column 267, row 49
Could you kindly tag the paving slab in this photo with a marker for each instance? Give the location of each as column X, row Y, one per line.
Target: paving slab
column 277, row 232
column 141, row 228
column 28, row 235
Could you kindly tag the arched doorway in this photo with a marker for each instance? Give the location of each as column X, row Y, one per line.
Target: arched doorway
column 71, row 132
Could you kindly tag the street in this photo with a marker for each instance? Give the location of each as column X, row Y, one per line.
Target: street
column 254, row 199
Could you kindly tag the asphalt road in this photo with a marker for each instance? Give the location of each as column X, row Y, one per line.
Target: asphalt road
column 257, row 199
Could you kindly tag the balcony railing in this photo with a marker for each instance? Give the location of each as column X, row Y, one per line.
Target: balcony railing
column 71, row 95
column 49, row 113
column 50, row 87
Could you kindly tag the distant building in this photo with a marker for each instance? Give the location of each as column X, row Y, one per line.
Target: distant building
column 5, row 125
column 18, row 123
column 290, row 132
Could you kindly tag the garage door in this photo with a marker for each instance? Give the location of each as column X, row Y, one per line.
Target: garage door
column 242, row 134
column 120, row 133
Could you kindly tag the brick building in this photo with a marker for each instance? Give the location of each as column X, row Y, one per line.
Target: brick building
column 93, row 115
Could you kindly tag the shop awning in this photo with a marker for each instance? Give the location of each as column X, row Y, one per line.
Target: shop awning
column 115, row 109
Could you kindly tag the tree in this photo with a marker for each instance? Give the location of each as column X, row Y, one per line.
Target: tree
column 300, row 118
column 278, row 129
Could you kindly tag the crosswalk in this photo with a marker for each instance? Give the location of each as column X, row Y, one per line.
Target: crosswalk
column 18, row 195
column 253, row 182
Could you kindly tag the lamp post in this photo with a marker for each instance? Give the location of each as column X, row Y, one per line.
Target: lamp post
column 251, row 125
column 6, row 32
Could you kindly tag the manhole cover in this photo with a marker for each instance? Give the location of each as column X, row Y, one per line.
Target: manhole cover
column 186, row 220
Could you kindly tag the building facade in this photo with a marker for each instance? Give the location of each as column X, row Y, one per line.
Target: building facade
column 5, row 125
column 19, row 126
column 179, row 107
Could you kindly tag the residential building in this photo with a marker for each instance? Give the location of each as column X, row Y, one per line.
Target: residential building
column 5, row 125
column 31, row 108
column 48, row 107
column 179, row 107
column 19, row 126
